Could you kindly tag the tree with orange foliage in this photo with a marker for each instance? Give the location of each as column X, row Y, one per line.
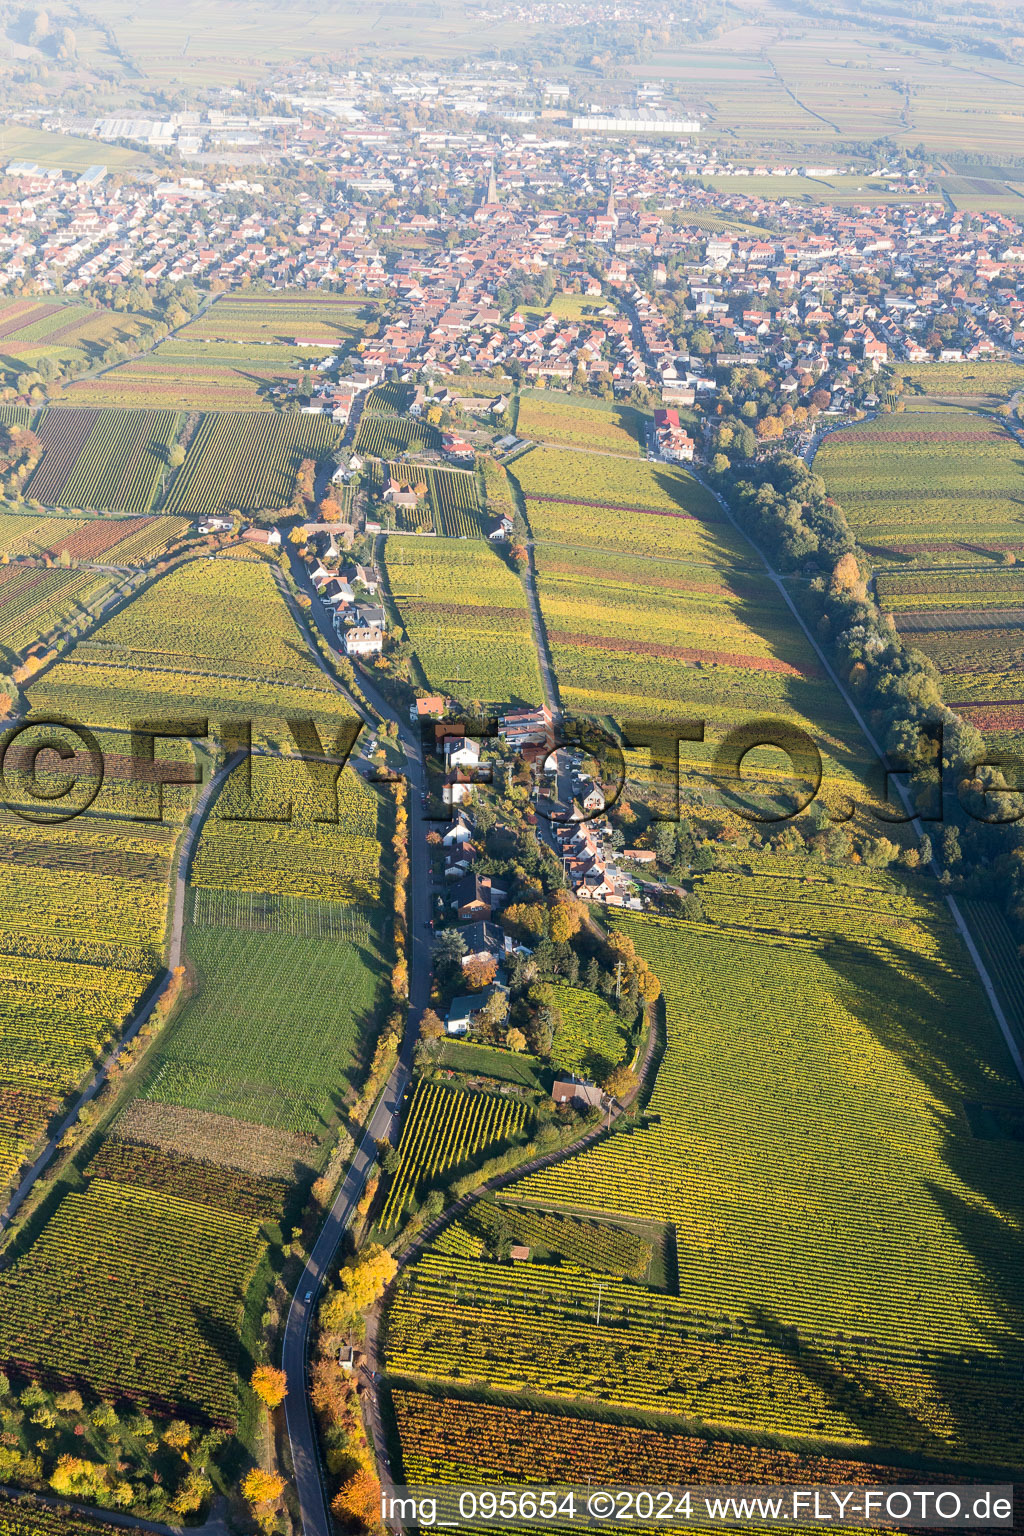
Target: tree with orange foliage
column 431, row 1027
column 480, row 973
column 358, row 1498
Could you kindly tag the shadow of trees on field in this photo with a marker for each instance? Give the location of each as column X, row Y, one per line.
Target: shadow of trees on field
column 936, row 1024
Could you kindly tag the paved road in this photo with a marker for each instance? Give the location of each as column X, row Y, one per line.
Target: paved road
column 173, row 958
column 904, row 794
column 540, row 637
column 213, row 1525
column 315, row 1516
column 101, row 368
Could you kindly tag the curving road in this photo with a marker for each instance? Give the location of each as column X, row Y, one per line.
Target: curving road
column 315, row 1515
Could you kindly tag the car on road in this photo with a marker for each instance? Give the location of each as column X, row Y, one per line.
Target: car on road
column 309, row 1295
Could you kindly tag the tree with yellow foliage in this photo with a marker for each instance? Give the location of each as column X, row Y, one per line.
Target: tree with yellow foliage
column 262, row 1487
column 360, row 1284
column 270, row 1385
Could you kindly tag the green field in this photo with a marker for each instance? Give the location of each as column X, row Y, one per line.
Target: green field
column 569, row 306
column 938, row 483
column 152, row 1246
column 247, row 460
column 466, row 616
column 996, row 379
column 486, row 1061
column 271, row 1011
column 66, row 151
column 849, row 1265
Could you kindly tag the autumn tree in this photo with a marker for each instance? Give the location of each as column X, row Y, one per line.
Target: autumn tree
column 262, row 1487
column 847, row 579
column 566, row 917
column 75, row 1477
column 633, row 965
column 431, row 1027
column 621, row 1082
column 360, row 1284
column 516, row 1040
column 525, row 918
column 270, row 1385
column 358, row 1499
column 480, row 973
column 191, row 1496
column 178, row 1434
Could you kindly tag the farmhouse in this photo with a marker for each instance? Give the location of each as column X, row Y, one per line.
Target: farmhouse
column 430, row 708
column 581, row 1095
column 526, row 727
column 462, row 1011
column 268, row 537
column 461, row 752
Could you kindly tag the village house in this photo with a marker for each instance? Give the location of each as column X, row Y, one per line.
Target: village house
column 463, row 1011
column 476, row 897
column 363, row 642
column 484, row 941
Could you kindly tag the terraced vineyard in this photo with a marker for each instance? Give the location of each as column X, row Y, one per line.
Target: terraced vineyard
column 160, row 1235
column 247, row 460
column 458, row 1439
column 113, row 460
column 616, row 505
column 456, row 505
column 939, row 483
column 943, row 487
column 445, row 1131
column 182, row 1266
column 906, row 1299
column 33, row 602
column 580, row 423
column 590, row 1039
column 384, row 436
column 466, row 614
